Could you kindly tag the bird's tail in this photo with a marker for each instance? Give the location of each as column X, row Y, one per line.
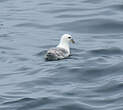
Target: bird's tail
column 49, row 56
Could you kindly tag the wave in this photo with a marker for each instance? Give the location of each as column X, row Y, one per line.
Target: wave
column 107, row 51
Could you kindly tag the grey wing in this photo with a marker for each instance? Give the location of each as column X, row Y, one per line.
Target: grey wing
column 56, row 54
column 61, row 52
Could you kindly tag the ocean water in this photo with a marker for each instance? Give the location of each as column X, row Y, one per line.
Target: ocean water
column 90, row 79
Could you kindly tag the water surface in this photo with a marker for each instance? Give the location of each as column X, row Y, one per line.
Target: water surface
column 91, row 79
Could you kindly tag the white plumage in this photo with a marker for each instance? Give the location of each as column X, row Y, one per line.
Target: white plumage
column 62, row 50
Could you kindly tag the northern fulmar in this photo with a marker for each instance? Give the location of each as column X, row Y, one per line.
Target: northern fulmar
column 62, row 50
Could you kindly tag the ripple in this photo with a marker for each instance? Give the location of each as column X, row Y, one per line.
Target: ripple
column 117, row 7
column 85, row 15
column 43, row 4
column 3, row 1
column 23, row 100
column 78, row 9
column 64, row 10
column 92, row 26
column 77, row 106
column 112, row 86
column 93, row 1
column 4, row 35
column 104, row 70
column 42, row 53
column 21, row 58
column 34, row 25
column 108, row 51
column 24, row 68
column 6, row 48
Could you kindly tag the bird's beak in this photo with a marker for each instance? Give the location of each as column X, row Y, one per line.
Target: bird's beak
column 72, row 41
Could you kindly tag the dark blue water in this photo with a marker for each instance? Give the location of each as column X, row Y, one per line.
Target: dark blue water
column 91, row 79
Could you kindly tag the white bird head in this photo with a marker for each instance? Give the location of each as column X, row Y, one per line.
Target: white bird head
column 64, row 42
column 67, row 38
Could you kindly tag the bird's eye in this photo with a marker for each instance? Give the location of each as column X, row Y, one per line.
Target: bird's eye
column 69, row 37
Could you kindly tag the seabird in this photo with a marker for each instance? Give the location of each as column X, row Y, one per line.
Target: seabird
column 62, row 50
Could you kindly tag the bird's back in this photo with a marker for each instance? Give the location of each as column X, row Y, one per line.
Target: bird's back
column 56, row 54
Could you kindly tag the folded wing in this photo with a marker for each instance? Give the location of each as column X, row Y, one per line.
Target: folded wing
column 56, row 54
